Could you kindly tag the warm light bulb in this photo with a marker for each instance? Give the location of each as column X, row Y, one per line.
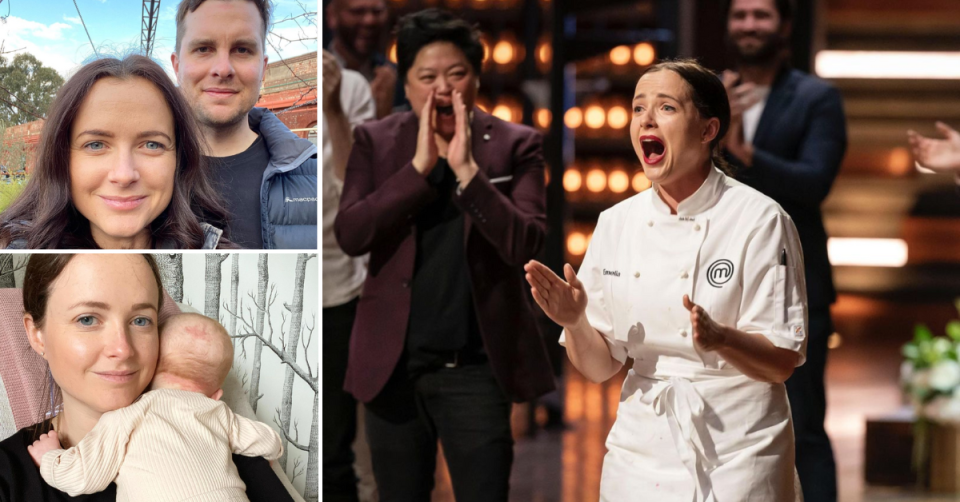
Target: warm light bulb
column 572, row 180
column 644, row 54
column 596, row 180
column 620, row 55
column 573, row 118
column 618, row 181
column 503, row 112
column 503, row 52
column 544, row 53
column 617, row 117
column 576, row 243
column 900, row 162
column 543, row 118
column 595, row 117
column 640, row 182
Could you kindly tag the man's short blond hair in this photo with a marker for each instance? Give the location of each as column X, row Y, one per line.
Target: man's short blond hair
column 194, row 347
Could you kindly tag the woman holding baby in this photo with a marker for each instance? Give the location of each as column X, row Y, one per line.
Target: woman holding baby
column 94, row 319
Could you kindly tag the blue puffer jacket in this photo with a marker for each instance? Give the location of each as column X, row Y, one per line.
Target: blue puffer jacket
column 288, row 191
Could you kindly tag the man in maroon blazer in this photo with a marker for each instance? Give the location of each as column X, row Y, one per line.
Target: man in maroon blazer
column 449, row 202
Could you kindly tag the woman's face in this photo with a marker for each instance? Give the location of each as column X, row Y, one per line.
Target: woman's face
column 99, row 334
column 441, row 67
column 123, row 160
column 669, row 136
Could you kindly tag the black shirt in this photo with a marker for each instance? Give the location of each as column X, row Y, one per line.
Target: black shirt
column 20, row 479
column 238, row 179
column 442, row 317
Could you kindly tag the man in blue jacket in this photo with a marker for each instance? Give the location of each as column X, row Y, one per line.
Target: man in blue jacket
column 787, row 139
column 266, row 174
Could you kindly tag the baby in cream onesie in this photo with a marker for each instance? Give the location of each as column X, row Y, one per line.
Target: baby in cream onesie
column 175, row 442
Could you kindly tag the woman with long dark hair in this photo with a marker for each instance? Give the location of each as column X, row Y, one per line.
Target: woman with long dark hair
column 93, row 320
column 120, row 165
column 700, row 282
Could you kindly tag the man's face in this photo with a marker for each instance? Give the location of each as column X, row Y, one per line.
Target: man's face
column 221, row 63
column 755, row 31
column 359, row 24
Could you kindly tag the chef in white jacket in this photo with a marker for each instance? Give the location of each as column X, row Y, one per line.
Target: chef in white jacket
column 700, row 282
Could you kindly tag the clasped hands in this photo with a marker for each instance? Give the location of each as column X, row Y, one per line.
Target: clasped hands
column 565, row 303
column 459, row 147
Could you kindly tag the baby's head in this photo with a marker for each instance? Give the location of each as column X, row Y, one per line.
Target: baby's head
column 195, row 355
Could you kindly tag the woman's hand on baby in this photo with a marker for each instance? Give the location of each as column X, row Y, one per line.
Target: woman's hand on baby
column 564, row 302
column 707, row 333
column 47, row 442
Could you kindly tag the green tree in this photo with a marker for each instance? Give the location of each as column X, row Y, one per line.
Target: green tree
column 26, row 89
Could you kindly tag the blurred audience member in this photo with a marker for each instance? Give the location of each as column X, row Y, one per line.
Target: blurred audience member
column 346, row 104
column 787, row 139
column 358, row 27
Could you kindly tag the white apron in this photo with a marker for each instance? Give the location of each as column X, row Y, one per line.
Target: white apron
column 690, row 426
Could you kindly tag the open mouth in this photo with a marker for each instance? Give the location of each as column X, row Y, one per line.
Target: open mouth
column 446, row 111
column 653, row 149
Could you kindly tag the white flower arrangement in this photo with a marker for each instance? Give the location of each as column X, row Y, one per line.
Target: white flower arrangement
column 930, row 373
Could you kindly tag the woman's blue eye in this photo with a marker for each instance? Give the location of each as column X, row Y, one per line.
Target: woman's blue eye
column 94, row 145
column 87, row 320
column 153, row 145
column 669, row 108
column 142, row 322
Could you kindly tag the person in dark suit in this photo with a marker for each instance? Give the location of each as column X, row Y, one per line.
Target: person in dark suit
column 787, row 139
column 449, row 202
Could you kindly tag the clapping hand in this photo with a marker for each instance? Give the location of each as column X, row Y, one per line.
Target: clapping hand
column 332, row 77
column 742, row 96
column 564, row 302
column 47, row 442
column 707, row 333
column 459, row 152
column 937, row 154
column 427, row 153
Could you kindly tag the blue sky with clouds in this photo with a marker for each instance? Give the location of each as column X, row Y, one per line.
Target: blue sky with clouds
column 51, row 30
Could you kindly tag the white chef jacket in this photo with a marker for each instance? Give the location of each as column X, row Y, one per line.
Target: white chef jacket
column 690, row 426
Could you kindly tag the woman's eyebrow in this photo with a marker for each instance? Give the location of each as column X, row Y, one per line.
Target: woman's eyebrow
column 96, row 132
column 659, row 95
column 96, row 305
column 146, row 134
column 104, row 306
column 107, row 134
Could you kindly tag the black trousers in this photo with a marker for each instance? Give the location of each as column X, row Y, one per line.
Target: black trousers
column 339, row 407
column 465, row 409
column 808, row 402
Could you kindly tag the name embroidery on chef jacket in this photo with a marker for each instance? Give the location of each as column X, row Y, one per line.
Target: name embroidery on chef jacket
column 615, row 273
column 719, row 272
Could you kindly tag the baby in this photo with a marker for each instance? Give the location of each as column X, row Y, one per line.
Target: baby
column 175, row 442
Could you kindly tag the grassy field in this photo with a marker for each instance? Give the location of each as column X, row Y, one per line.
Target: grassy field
column 9, row 192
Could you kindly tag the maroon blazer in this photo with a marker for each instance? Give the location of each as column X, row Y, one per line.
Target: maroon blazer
column 505, row 224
